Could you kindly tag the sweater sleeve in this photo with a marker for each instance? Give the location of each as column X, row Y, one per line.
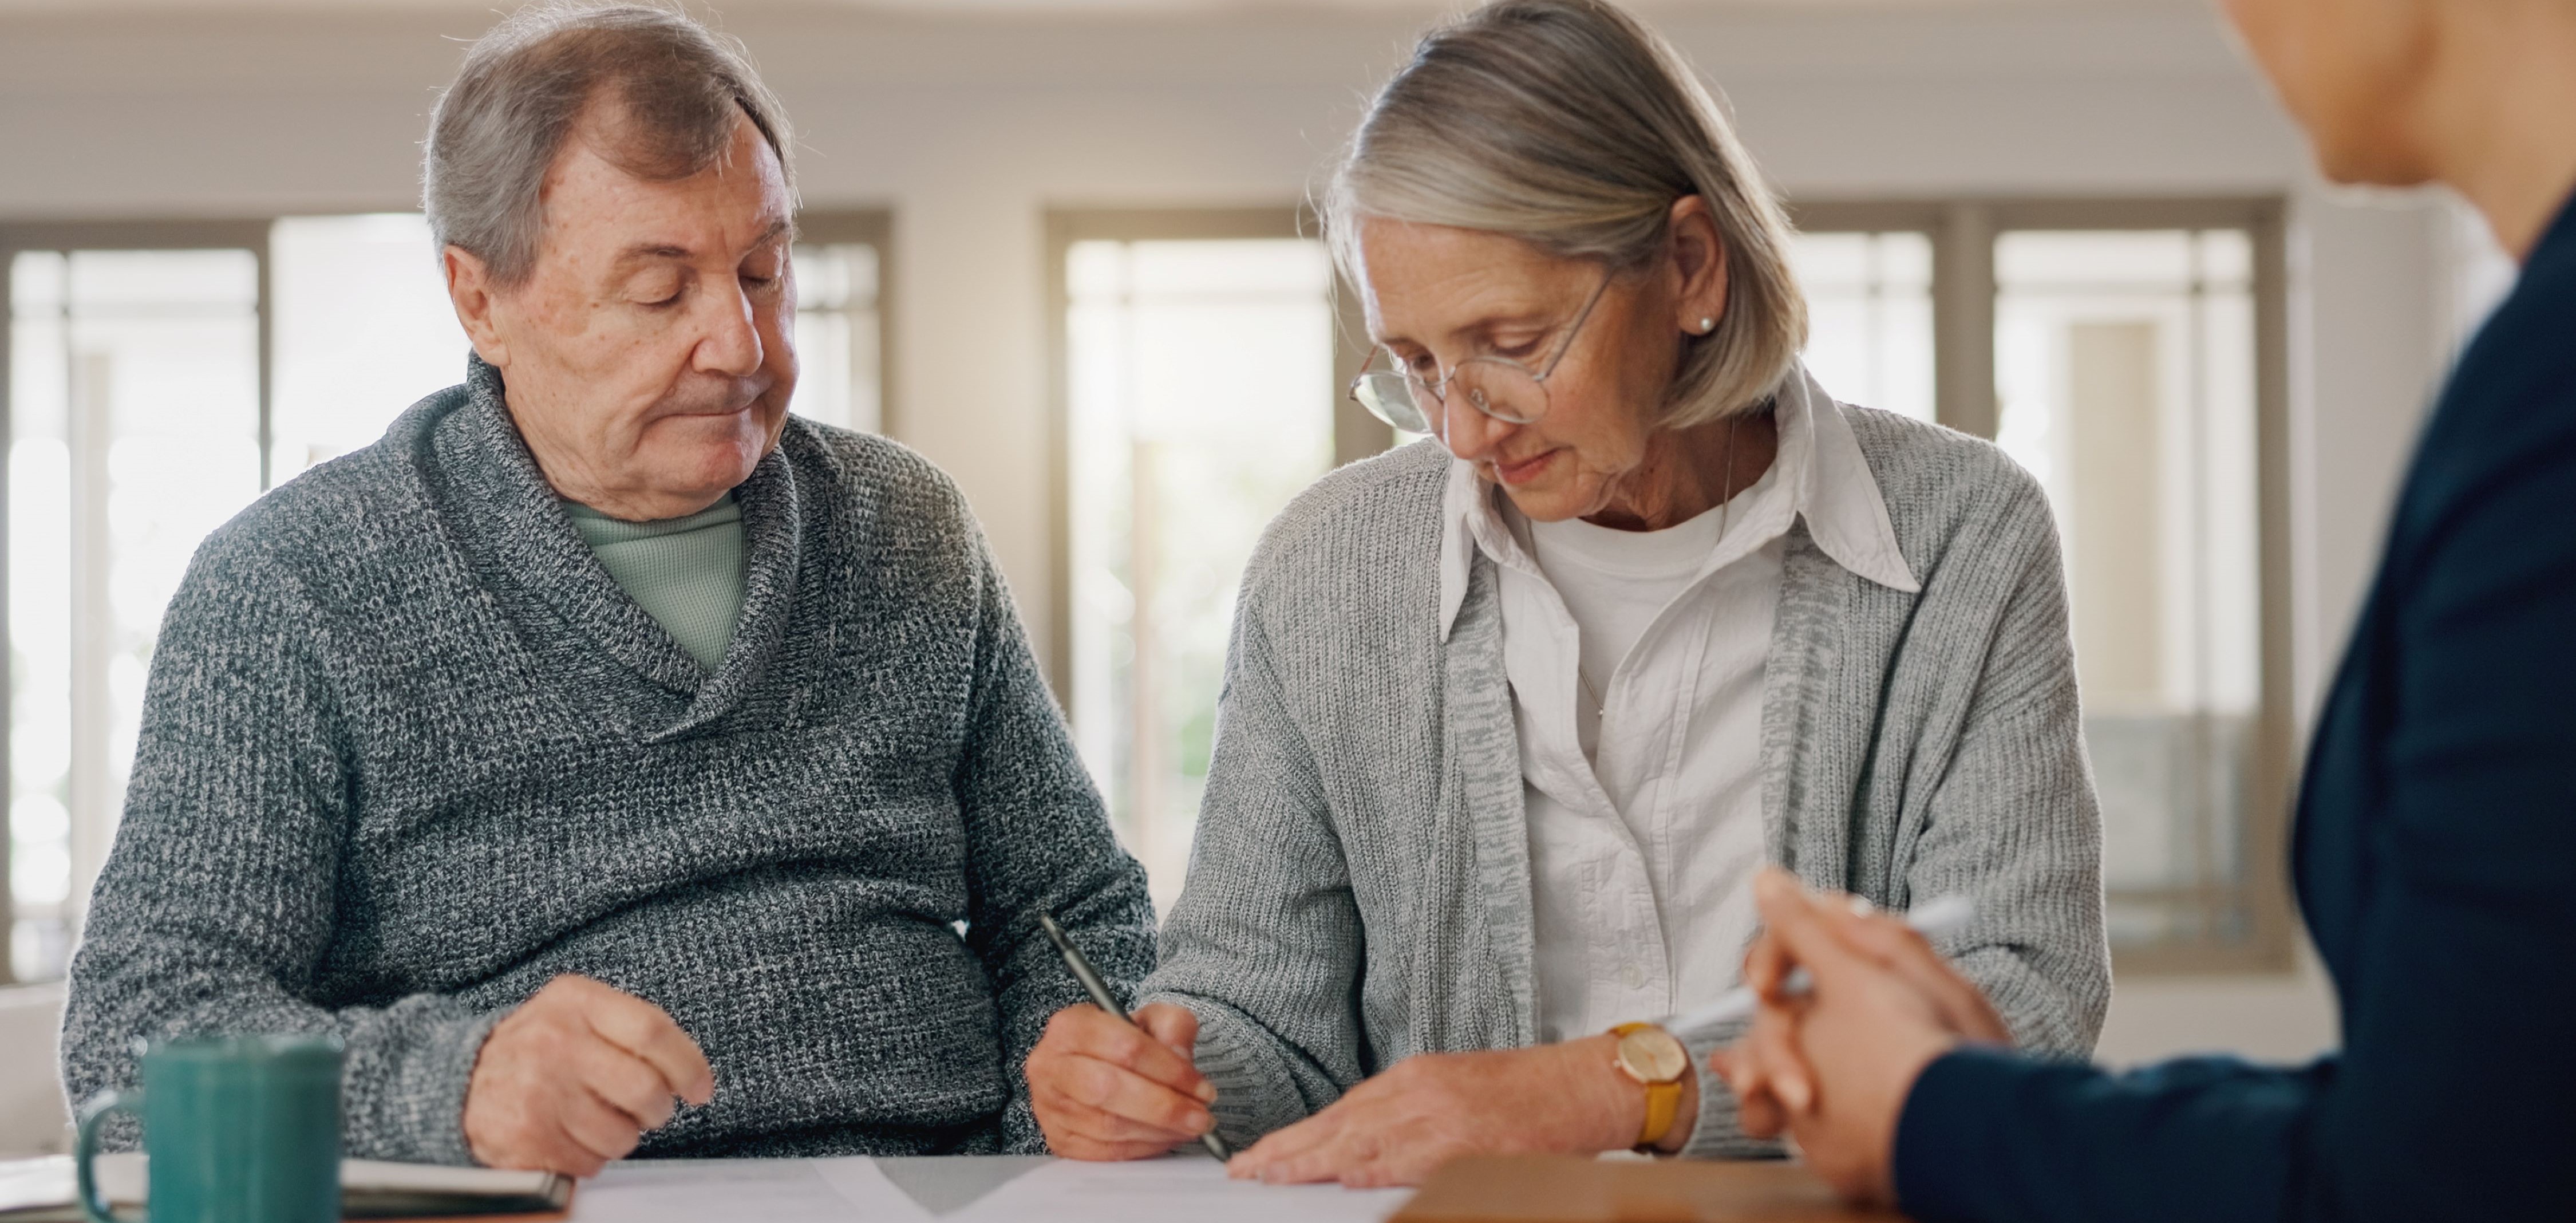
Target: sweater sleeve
column 218, row 903
column 1718, row 1132
column 2014, row 822
column 1037, row 841
column 1265, row 945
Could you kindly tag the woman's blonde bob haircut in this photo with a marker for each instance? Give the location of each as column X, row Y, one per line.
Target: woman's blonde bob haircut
column 1573, row 127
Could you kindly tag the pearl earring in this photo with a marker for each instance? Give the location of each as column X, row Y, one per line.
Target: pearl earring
column 1707, row 325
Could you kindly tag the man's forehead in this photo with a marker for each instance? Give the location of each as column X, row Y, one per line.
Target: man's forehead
column 734, row 205
column 646, row 250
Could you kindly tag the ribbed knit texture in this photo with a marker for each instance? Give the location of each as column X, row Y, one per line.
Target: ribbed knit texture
column 1359, row 889
column 686, row 572
column 408, row 753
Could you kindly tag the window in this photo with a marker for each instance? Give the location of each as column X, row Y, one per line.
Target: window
column 841, row 320
column 2128, row 354
column 1200, row 377
column 1869, row 317
column 2125, row 365
column 363, row 331
column 134, row 428
column 142, row 410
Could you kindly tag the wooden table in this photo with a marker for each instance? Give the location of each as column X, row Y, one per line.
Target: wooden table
column 1570, row 1189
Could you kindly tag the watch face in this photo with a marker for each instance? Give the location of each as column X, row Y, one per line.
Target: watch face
column 1653, row 1055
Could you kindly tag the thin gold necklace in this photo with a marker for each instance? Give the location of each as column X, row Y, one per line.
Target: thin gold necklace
column 1725, row 499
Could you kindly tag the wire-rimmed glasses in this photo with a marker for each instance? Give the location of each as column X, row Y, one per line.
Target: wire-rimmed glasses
column 1499, row 387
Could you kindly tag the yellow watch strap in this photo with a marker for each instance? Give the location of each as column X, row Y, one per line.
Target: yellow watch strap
column 1663, row 1101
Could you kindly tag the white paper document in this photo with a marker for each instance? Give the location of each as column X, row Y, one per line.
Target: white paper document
column 1175, row 1188
column 1178, row 1189
column 711, row 1190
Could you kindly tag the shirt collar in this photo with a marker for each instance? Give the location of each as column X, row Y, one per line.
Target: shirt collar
column 1819, row 459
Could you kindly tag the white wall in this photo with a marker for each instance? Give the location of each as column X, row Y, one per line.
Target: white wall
column 970, row 126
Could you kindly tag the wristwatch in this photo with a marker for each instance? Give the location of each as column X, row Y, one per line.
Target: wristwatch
column 1656, row 1061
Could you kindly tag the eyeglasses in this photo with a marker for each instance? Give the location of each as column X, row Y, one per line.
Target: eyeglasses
column 1499, row 387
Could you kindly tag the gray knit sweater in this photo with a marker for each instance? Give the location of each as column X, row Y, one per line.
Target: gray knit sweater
column 408, row 752
column 1359, row 891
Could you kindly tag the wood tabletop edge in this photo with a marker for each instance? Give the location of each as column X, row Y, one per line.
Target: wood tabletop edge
column 1576, row 1189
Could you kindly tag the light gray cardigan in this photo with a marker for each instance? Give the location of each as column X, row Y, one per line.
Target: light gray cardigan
column 1359, row 891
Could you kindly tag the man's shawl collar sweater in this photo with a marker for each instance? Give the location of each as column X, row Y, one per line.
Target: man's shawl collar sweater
column 408, row 753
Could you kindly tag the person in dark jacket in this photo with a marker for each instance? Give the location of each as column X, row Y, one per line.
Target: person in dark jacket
column 2435, row 844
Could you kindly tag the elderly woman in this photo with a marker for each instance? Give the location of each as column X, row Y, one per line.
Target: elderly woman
column 1514, row 716
column 605, row 738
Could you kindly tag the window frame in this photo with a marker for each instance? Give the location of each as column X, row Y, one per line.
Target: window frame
column 871, row 225
column 874, row 227
column 236, row 233
column 1356, row 434
column 1963, row 232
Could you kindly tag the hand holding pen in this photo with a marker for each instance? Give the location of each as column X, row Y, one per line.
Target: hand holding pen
column 1107, row 1085
column 1878, row 1004
column 1934, row 918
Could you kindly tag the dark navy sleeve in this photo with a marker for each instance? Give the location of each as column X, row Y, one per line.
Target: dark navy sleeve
column 1989, row 1135
column 2438, row 848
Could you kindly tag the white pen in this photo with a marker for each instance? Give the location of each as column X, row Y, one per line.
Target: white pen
column 1932, row 918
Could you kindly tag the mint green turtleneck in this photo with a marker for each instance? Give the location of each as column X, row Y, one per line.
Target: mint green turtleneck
column 684, row 572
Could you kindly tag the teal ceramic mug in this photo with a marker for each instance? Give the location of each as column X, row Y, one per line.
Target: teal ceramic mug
column 239, row 1129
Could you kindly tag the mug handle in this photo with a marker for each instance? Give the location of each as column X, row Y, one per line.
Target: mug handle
column 85, row 1151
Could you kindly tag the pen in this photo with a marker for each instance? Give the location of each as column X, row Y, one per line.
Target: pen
column 1932, row 918
column 1099, row 991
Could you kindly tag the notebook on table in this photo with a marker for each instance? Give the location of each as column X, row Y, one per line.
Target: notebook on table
column 44, row 1190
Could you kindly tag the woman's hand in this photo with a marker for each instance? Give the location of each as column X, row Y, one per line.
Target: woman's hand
column 1396, row 1128
column 1833, row 1067
column 1103, row 1088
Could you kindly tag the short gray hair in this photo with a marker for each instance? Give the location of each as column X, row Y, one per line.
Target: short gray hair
column 496, row 132
column 1570, row 125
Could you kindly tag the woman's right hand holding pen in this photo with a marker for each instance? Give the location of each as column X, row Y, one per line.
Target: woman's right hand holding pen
column 1103, row 1088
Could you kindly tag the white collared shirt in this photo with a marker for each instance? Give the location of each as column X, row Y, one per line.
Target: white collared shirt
column 1645, row 816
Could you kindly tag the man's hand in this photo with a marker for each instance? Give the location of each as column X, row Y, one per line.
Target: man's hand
column 1397, row 1128
column 576, row 1076
column 1833, row 1068
column 1103, row 1089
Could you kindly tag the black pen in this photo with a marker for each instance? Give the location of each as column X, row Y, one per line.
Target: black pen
column 1099, row 991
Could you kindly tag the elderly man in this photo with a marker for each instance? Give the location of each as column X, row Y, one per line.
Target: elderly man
column 603, row 739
